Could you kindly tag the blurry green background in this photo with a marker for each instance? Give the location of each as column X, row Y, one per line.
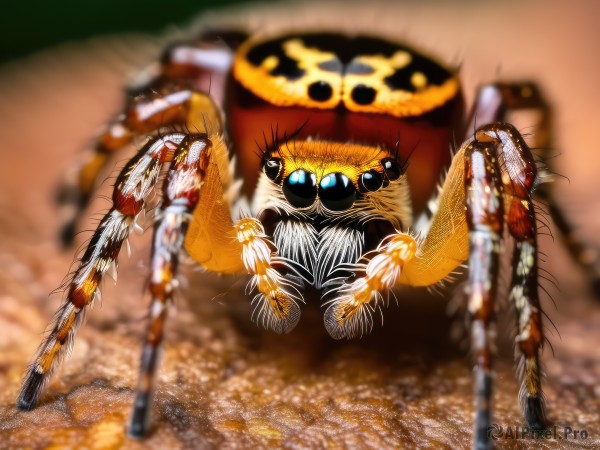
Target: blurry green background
column 27, row 26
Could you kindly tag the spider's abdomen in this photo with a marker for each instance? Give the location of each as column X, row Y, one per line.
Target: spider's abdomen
column 342, row 89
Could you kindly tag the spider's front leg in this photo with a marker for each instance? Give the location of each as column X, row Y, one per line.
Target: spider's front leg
column 499, row 173
column 519, row 175
column 181, row 192
column 485, row 219
column 277, row 297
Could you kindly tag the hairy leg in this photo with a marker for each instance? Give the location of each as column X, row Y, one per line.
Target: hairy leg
column 519, row 166
column 493, row 175
column 349, row 312
column 484, row 214
column 277, row 298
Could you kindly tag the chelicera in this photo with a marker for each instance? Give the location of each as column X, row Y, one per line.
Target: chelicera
column 340, row 142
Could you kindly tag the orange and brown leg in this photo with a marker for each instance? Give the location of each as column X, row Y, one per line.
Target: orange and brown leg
column 494, row 175
column 135, row 182
column 517, row 180
column 495, row 103
column 181, row 193
column 500, row 176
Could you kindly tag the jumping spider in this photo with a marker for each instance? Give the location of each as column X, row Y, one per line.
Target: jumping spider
column 353, row 137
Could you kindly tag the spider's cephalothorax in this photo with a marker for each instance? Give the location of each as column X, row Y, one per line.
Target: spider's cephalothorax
column 359, row 130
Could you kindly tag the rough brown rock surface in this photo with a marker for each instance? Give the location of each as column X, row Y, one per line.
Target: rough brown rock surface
column 225, row 383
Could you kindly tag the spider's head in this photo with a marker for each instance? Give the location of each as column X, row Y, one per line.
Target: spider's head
column 335, row 179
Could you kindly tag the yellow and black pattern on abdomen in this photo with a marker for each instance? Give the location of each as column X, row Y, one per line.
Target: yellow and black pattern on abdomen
column 360, row 74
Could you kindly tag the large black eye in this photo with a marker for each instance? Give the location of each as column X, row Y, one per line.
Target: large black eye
column 300, row 188
column 337, row 192
column 392, row 169
column 273, row 168
column 370, row 181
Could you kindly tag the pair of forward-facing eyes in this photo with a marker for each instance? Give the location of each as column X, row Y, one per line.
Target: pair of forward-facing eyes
column 335, row 190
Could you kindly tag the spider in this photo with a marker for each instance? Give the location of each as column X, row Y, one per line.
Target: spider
column 340, row 142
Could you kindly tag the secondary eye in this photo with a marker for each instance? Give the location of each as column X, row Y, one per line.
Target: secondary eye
column 337, row 192
column 273, row 169
column 370, row 181
column 392, row 169
column 300, row 188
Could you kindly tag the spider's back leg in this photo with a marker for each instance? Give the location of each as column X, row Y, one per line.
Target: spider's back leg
column 163, row 100
column 495, row 103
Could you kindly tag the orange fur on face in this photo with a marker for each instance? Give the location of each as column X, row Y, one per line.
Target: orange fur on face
column 322, row 158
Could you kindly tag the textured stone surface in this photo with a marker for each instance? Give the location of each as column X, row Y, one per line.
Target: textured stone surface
column 223, row 382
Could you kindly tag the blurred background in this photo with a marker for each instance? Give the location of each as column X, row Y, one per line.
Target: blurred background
column 33, row 25
column 223, row 380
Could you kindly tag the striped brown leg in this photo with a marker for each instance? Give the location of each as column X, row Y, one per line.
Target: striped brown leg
column 180, row 198
column 520, row 168
column 135, row 182
column 483, row 195
column 163, row 101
